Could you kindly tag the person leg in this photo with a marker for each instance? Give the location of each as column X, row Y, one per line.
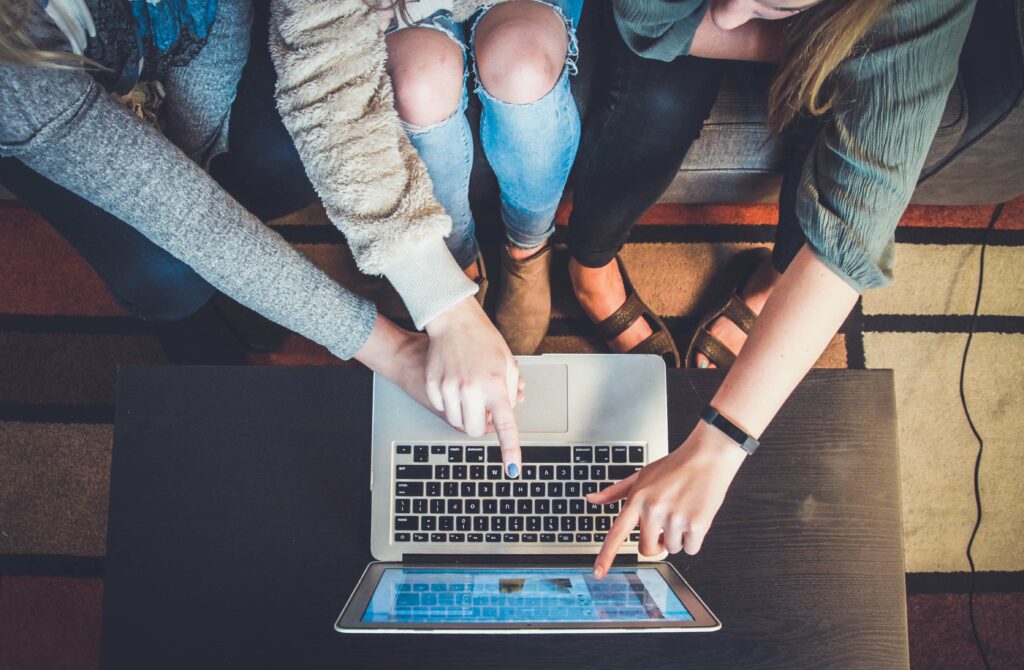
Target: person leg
column 789, row 239
column 427, row 66
column 644, row 116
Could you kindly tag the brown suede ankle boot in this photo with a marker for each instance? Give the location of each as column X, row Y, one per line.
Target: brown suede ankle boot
column 524, row 300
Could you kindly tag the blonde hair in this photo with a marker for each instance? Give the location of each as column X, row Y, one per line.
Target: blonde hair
column 17, row 47
column 819, row 40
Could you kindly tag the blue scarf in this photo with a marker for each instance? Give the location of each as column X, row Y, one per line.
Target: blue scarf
column 168, row 25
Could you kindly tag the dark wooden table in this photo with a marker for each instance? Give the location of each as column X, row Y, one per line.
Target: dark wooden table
column 239, row 524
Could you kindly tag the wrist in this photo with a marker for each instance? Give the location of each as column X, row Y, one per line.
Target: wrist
column 458, row 313
column 384, row 349
column 718, row 446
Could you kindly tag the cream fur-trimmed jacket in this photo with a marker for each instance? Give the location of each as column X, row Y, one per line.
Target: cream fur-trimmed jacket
column 335, row 97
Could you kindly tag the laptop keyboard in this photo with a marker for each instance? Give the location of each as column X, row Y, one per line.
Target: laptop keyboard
column 460, row 493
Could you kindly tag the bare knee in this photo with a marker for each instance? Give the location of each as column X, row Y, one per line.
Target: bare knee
column 426, row 69
column 520, row 50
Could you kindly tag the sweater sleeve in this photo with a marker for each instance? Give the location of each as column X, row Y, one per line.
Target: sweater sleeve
column 62, row 125
column 864, row 164
column 335, row 98
column 659, row 29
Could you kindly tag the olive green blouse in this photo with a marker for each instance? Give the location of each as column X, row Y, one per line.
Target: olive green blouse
column 865, row 162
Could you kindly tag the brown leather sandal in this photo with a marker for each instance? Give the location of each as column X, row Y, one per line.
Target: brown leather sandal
column 733, row 309
column 660, row 343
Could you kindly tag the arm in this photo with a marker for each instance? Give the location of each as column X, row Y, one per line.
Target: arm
column 855, row 186
column 335, row 97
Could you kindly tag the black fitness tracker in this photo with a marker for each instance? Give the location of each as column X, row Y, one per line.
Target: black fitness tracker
column 743, row 440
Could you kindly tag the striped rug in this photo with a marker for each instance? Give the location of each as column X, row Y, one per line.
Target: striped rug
column 61, row 336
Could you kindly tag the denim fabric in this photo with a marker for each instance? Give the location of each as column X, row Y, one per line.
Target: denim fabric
column 530, row 147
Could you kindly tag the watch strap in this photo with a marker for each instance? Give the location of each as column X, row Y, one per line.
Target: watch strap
column 743, row 440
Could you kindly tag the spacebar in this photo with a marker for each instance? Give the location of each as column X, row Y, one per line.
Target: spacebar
column 536, row 454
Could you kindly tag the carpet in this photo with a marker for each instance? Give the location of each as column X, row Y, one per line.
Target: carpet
column 62, row 335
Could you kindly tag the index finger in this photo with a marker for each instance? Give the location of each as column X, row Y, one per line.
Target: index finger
column 508, row 435
column 620, row 530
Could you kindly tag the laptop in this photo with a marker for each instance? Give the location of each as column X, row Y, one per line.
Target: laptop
column 462, row 547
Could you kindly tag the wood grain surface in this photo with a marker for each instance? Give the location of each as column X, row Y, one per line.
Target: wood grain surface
column 239, row 524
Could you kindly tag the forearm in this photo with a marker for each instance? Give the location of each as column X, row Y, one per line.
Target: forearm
column 805, row 310
column 755, row 40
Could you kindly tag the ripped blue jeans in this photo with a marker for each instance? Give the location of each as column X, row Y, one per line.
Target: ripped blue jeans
column 530, row 147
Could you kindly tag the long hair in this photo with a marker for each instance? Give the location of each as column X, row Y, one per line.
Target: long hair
column 819, row 40
column 17, row 47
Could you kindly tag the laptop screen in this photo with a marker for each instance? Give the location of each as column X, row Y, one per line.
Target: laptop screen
column 467, row 595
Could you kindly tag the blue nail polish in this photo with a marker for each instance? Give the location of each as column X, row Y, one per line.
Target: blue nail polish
column 703, row 364
column 513, row 470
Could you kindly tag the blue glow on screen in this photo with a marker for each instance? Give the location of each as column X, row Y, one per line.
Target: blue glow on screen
column 563, row 595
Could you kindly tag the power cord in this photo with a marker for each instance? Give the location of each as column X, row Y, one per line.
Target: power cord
column 981, row 444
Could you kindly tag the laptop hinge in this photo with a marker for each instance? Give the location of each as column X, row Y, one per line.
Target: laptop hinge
column 510, row 559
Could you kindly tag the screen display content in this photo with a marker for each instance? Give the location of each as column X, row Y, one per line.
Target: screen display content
column 465, row 595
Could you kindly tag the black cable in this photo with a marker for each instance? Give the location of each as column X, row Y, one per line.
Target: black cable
column 981, row 444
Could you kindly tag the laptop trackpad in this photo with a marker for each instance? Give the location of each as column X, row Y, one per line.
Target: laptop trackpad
column 546, row 408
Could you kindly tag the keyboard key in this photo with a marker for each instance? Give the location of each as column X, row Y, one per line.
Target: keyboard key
column 456, row 537
column 420, row 454
column 581, row 473
column 492, row 537
column 510, row 537
column 589, row 487
column 572, row 489
column 546, row 472
column 586, row 523
column 563, row 472
column 451, row 489
column 402, row 506
column 599, row 537
column 520, row 489
column 499, row 523
column 429, row 523
column 560, row 506
column 533, row 523
column 547, row 537
column 467, row 490
column 507, row 506
column 402, row 537
column 480, row 523
column 524, row 507
column 454, row 454
column 503, row 489
column 636, row 454
column 463, row 523
column 565, row 537
column 537, row 489
column 490, row 506
column 582, row 455
column 612, row 508
column 477, row 471
column 419, row 506
column 445, row 523
column 472, row 506
column 583, row 537
column 485, row 489
column 475, row 455
column 622, row 471
column 408, row 489
column 602, row 454
column 547, row 455
column 529, row 537
column 494, row 472
column 455, row 506
column 403, row 449
column 437, row 449
column 442, row 472
column 420, row 537
column 551, row 523
column 555, row 490
column 515, row 523
column 593, row 508
column 438, row 537
column 412, row 472
column 603, row 523
column 568, row 523
column 437, row 506
column 433, row 489
column 407, row 523
column 620, row 455
column 475, row 537
column 542, row 506
column 634, row 537
column 576, row 506
column 460, row 471
column 494, row 454
column 529, row 472
column 598, row 472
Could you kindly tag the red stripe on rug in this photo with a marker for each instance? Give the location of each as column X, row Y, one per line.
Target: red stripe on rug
column 50, row 623
column 43, row 274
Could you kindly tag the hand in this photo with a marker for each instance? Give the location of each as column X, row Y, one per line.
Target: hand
column 674, row 498
column 472, row 377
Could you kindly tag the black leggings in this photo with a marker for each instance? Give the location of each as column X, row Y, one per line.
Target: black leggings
column 644, row 114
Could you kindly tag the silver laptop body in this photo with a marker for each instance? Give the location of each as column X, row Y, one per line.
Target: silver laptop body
column 608, row 412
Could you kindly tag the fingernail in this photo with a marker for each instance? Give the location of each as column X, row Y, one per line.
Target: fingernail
column 597, row 572
column 513, row 470
column 703, row 364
